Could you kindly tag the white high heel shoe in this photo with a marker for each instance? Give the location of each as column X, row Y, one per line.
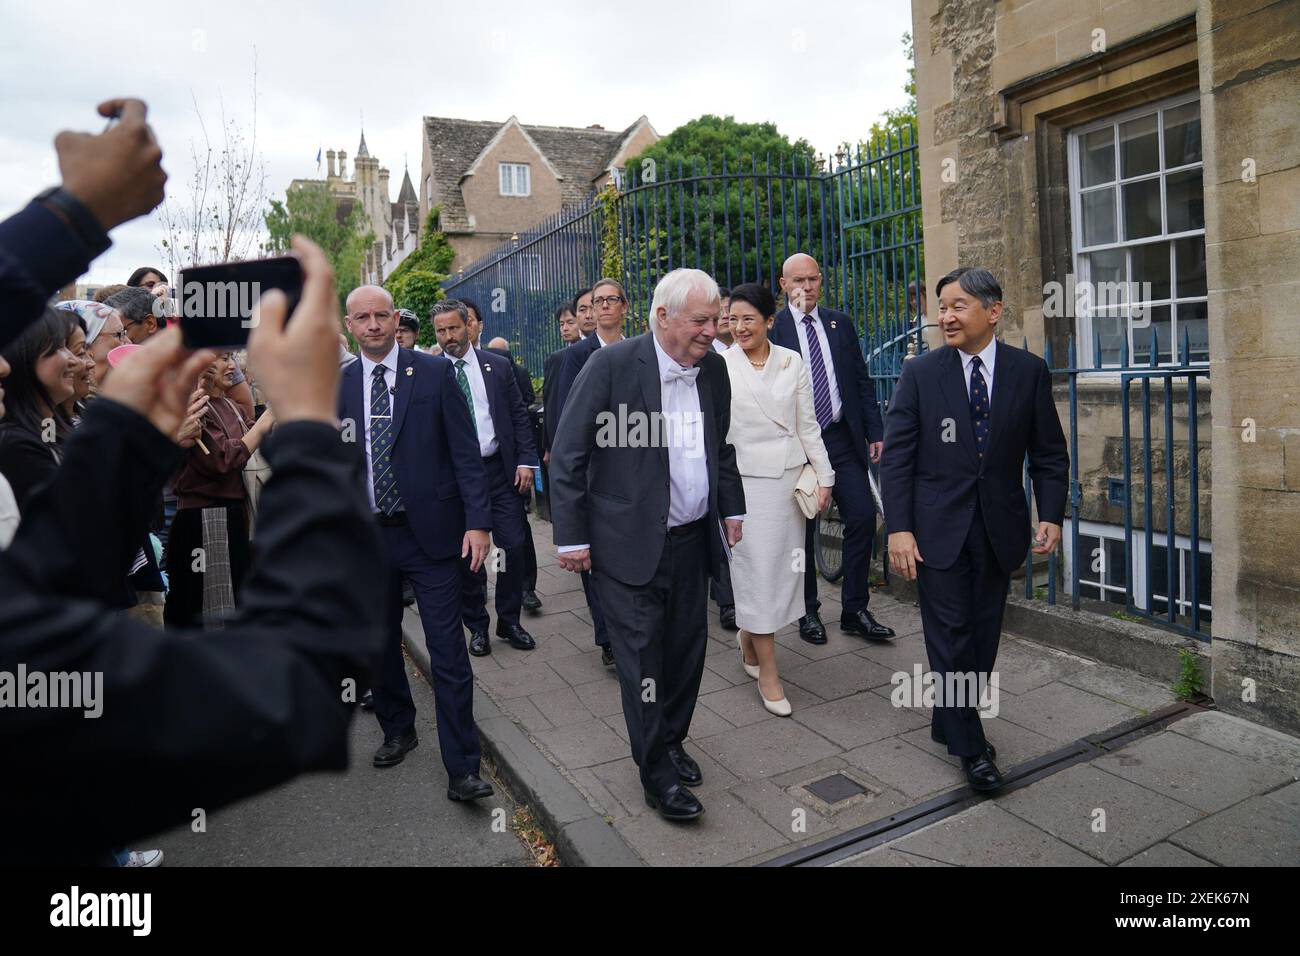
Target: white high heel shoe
column 781, row 708
column 750, row 669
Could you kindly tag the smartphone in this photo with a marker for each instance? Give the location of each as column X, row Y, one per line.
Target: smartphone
column 214, row 304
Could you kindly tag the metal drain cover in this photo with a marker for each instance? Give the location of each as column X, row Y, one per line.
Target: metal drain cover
column 835, row 788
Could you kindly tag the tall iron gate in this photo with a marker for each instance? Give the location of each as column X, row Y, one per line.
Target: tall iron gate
column 738, row 222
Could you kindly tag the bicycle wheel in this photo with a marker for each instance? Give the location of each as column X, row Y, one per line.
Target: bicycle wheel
column 828, row 543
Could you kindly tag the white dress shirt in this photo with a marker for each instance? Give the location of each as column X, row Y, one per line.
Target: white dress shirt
column 986, row 366
column 688, row 465
column 822, row 339
column 487, row 433
column 389, row 363
column 719, row 346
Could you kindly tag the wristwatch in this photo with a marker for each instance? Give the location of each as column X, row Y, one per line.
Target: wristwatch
column 78, row 218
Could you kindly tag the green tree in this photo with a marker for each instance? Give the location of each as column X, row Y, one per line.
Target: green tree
column 728, row 197
column 312, row 211
column 416, row 283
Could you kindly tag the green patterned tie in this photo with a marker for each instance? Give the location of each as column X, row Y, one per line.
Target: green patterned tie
column 463, row 381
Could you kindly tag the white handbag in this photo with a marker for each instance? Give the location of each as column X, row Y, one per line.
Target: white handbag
column 805, row 492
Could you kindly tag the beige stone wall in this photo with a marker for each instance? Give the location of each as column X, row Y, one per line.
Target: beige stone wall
column 1250, row 117
column 495, row 213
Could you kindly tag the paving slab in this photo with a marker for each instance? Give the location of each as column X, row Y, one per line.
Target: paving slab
column 1241, row 737
column 728, row 832
column 767, row 748
column 838, row 677
column 1117, row 684
column 1103, row 815
column 907, row 768
column 1166, row 855
column 860, row 719
column 582, row 745
column 987, row 835
column 1259, row 831
column 1192, row 772
column 1064, row 713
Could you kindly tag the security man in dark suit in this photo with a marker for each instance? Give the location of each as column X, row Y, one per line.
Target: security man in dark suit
column 960, row 423
column 505, row 442
column 844, row 399
column 609, row 302
column 428, row 491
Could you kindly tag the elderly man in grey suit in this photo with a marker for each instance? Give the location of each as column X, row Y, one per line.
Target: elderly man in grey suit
column 645, row 493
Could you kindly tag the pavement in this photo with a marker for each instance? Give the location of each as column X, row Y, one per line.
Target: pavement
column 1206, row 789
column 397, row 816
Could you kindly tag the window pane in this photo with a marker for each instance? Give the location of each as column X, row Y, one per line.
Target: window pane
column 1157, row 576
column 1183, row 135
column 1185, row 203
column 1139, row 146
column 1189, row 266
column 1142, row 208
column 1193, row 321
column 1157, row 318
column 1110, row 329
column 1097, row 156
column 1202, row 564
column 1151, row 265
column 1098, row 217
column 505, row 180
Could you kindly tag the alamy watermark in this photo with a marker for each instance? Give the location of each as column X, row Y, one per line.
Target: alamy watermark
column 74, row 690
column 638, row 429
column 211, row 300
column 1075, row 298
column 953, row 689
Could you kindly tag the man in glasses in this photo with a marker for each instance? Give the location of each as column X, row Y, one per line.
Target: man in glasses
column 136, row 307
column 609, row 304
column 408, row 328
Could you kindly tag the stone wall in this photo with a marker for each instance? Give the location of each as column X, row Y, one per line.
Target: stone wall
column 1250, row 116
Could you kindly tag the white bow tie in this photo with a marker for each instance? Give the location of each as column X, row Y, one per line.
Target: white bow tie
column 675, row 373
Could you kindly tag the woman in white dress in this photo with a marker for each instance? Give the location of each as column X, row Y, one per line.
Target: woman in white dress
column 775, row 433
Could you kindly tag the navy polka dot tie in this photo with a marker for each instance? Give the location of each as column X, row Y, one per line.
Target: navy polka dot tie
column 979, row 406
column 382, row 478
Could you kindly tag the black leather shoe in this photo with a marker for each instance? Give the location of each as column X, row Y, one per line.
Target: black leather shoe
column 811, row 628
column 479, row 645
column 468, row 787
column 676, row 803
column 727, row 613
column 982, row 773
column 939, row 738
column 367, row 700
column 864, row 624
column 532, row 603
column 519, row 639
column 688, row 771
column 394, row 750
column 607, row 655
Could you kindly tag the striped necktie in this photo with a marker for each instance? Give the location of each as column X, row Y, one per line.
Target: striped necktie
column 820, row 383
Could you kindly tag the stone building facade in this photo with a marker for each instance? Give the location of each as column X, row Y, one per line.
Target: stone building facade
column 493, row 180
column 396, row 225
column 1070, row 142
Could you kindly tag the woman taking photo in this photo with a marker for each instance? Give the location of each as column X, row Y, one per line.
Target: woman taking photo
column 207, row 548
column 775, row 433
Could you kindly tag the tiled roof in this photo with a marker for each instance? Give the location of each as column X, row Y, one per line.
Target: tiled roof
column 579, row 156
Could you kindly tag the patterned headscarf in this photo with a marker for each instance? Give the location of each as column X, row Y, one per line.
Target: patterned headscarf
column 94, row 314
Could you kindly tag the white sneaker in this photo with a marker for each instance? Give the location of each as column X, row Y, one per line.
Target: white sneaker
column 145, row 858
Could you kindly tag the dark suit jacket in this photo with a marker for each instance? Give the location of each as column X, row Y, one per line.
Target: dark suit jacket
column 435, row 455
column 616, row 498
column 509, row 413
column 575, row 358
column 550, row 404
column 218, row 719
column 522, row 378
column 859, row 409
column 930, row 486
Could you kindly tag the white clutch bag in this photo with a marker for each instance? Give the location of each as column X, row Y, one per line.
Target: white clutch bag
column 805, row 492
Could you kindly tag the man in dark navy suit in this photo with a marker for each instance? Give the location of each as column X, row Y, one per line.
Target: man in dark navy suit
column 609, row 302
column 960, row 423
column 428, row 492
column 844, row 399
column 487, row 386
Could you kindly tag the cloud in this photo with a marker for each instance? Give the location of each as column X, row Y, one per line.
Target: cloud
column 823, row 73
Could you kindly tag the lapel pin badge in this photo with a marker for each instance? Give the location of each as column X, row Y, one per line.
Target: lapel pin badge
column 832, row 323
column 410, row 370
column 487, row 368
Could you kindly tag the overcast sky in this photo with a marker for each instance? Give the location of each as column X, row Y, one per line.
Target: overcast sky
column 821, row 71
